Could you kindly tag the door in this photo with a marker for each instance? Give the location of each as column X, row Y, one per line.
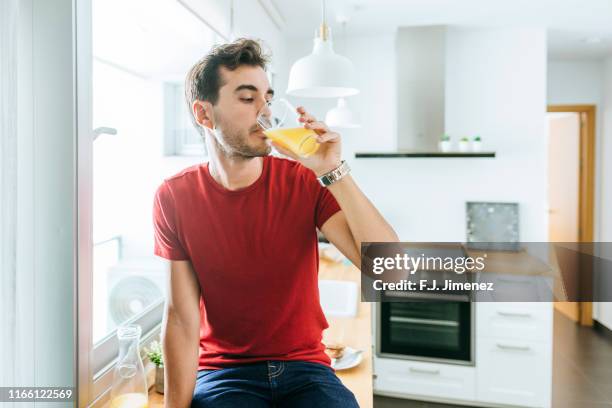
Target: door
column 571, row 145
column 563, row 186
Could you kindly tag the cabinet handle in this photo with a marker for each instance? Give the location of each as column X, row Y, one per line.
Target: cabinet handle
column 512, row 347
column 517, row 314
column 424, row 371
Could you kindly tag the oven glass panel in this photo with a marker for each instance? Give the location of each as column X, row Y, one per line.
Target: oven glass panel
column 427, row 329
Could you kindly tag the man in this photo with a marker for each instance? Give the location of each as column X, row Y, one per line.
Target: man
column 243, row 322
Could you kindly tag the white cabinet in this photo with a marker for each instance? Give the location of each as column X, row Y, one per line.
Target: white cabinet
column 513, row 362
column 514, row 372
column 514, row 353
column 426, row 379
column 520, row 320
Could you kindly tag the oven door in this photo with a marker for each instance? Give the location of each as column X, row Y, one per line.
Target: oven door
column 436, row 331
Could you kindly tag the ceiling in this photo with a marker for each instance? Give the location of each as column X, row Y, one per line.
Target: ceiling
column 577, row 29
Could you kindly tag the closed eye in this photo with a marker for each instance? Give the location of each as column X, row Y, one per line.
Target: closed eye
column 247, row 100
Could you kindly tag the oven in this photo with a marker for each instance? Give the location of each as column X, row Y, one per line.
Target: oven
column 440, row 331
column 424, row 324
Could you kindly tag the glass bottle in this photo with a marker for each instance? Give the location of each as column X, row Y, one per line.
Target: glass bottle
column 129, row 389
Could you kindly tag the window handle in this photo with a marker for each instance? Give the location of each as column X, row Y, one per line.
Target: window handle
column 103, row 131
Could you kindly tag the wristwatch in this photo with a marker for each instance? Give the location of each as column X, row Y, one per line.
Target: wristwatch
column 336, row 174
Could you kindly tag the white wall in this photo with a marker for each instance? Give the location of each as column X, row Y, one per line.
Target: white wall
column 574, row 82
column 605, row 147
column 252, row 21
column 590, row 82
column 604, row 310
column 503, row 101
column 496, row 88
column 44, row 322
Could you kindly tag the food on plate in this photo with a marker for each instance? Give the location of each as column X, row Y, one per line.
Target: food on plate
column 335, row 350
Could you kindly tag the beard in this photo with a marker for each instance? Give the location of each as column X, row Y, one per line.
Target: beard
column 235, row 143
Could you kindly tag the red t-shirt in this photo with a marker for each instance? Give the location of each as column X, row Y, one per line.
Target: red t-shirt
column 255, row 253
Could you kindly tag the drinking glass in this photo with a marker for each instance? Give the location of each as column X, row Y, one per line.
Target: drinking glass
column 280, row 123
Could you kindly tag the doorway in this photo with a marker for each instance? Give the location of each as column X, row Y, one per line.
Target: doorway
column 571, row 150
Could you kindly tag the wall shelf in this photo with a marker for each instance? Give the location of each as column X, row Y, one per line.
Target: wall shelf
column 394, row 155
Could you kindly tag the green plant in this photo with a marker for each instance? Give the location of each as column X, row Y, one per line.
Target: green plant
column 477, row 139
column 445, row 138
column 465, row 139
column 154, row 353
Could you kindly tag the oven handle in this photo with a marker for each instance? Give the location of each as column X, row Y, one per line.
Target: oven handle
column 433, row 322
column 435, row 371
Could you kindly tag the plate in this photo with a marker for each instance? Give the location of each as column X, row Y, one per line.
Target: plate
column 351, row 358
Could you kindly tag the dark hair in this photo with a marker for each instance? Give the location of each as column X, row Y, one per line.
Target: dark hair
column 204, row 79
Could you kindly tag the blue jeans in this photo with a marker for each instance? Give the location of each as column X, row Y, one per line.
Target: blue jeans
column 291, row 384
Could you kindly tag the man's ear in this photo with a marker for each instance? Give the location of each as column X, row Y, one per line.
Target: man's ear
column 202, row 112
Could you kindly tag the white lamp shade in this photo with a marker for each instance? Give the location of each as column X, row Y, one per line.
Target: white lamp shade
column 341, row 116
column 322, row 74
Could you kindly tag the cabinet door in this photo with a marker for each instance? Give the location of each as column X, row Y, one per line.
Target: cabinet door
column 414, row 378
column 513, row 320
column 514, row 372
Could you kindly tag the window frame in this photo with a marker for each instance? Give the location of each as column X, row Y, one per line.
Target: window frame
column 95, row 362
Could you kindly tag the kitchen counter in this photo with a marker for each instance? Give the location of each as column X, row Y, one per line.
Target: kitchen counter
column 357, row 334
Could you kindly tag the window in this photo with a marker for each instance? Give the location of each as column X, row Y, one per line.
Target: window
column 180, row 135
column 141, row 52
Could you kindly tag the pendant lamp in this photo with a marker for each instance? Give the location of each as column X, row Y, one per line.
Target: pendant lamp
column 342, row 117
column 323, row 73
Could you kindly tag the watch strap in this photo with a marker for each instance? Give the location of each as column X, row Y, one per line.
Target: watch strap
column 335, row 175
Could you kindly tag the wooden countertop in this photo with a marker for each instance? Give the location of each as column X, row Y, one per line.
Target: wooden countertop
column 356, row 333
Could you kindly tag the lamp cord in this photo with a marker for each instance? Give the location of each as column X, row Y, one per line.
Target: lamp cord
column 323, row 12
column 232, row 20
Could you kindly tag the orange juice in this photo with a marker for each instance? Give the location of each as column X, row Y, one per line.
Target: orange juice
column 130, row 400
column 300, row 141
